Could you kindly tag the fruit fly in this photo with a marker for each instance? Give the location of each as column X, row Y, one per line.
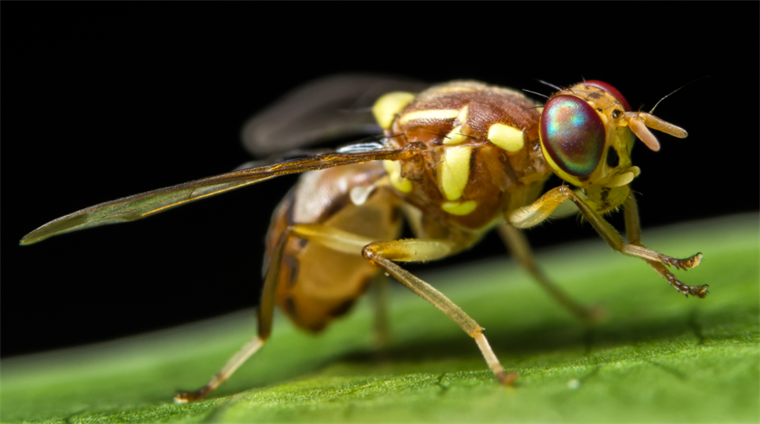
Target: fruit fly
column 454, row 161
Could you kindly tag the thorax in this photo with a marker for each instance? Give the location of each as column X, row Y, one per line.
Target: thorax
column 483, row 154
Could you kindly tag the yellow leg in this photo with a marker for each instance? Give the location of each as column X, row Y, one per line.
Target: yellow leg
column 352, row 244
column 379, row 253
column 383, row 254
column 382, row 333
column 519, row 247
column 232, row 364
column 540, row 209
column 633, row 233
column 264, row 314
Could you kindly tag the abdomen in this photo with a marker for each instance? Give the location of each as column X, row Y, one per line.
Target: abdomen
column 317, row 284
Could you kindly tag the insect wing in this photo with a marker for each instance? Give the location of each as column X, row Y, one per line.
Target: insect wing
column 144, row 204
column 330, row 108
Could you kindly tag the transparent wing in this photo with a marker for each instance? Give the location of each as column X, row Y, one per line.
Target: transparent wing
column 330, row 108
column 141, row 205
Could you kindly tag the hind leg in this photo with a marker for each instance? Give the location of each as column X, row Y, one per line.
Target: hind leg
column 385, row 254
column 264, row 314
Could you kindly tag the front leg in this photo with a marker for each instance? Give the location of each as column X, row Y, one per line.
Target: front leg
column 539, row 210
column 633, row 233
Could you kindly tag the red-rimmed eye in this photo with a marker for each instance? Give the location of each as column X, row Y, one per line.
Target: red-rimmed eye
column 612, row 90
column 573, row 134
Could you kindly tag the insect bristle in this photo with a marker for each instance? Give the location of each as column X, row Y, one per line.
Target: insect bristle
column 550, row 85
column 651, row 112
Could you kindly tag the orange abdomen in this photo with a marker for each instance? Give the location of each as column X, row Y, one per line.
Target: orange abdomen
column 316, row 283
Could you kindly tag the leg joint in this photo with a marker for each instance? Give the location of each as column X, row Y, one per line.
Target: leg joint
column 369, row 253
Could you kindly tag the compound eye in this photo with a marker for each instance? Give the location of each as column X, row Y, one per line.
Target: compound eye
column 573, row 134
column 612, row 90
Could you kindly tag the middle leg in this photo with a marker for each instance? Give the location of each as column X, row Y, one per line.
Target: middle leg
column 519, row 247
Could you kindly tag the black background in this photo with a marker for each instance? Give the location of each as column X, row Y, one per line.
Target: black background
column 102, row 102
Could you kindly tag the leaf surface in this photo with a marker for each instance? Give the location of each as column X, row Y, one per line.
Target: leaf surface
column 656, row 358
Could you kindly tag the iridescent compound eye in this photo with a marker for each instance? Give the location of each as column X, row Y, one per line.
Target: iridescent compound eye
column 572, row 134
column 612, row 90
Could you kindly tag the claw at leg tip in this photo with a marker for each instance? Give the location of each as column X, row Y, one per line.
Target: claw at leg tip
column 185, row 397
column 595, row 314
column 509, row 378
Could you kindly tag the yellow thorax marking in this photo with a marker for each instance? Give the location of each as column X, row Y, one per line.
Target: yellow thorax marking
column 506, row 137
column 455, row 171
column 394, row 172
column 454, row 89
column 459, row 208
column 433, row 114
column 462, row 116
column 454, row 137
column 389, row 105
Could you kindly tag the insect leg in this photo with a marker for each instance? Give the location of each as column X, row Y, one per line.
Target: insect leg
column 519, row 247
column 633, row 233
column 539, row 210
column 232, row 364
column 264, row 315
column 383, row 254
column 382, row 334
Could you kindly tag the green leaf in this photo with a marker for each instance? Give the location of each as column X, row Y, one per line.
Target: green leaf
column 657, row 357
